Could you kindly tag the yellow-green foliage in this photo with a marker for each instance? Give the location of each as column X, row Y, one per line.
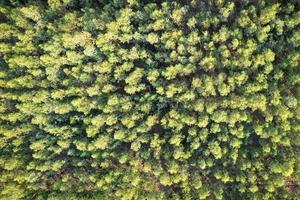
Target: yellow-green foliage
column 184, row 99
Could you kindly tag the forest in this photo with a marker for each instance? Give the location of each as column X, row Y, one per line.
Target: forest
column 149, row 99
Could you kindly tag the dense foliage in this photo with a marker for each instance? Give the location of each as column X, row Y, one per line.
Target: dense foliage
column 149, row 99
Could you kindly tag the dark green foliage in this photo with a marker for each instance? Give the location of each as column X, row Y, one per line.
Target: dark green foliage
column 149, row 99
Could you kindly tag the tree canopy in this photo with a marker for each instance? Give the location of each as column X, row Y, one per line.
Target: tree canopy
column 147, row 100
